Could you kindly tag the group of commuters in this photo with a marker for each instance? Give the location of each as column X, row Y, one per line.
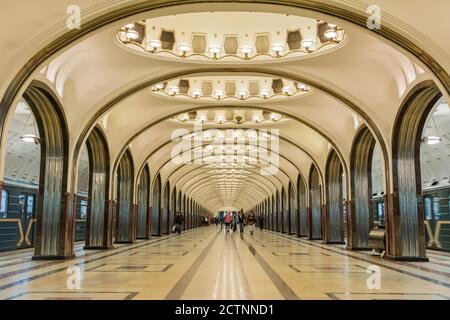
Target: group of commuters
column 232, row 220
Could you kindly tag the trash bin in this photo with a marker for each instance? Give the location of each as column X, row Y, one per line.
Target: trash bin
column 377, row 241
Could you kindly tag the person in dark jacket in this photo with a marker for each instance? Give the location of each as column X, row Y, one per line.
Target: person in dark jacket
column 251, row 222
column 179, row 219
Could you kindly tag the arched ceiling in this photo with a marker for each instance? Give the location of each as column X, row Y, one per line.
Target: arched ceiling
column 361, row 80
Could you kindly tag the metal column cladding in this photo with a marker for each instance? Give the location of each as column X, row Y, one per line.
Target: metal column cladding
column 315, row 203
column 302, row 207
column 143, row 203
column 97, row 228
column 156, row 207
column 361, row 178
column 408, row 208
column 124, row 220
column 292, row 212
column 335, row 226
column 54, row 220
column 166, row 210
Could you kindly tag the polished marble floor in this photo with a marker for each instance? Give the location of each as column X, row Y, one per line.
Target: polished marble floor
column 207, row 263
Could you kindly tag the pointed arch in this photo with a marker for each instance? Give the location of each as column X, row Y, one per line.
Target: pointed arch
column 334, row 214
column 302, row 201
column 143, row 215
column 99, row 224
column 156, row 207
column 315, row 204
column 55, row 224
column 361, row 222
column 408, row 236
column 125, row 218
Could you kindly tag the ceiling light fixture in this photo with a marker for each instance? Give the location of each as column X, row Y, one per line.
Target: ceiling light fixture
column 30, row 138
column 219, row 94
column 196, row 93
column 132, row 35
column 277, row 48
column 330, row 34
column 431, row 140
column 264, row 93
column 286, row 90
column 246, row 50
column 242, row 93
column 174, row 90
column 184, row 48
column 215, row 51
column 307, row 44
column 155, row 44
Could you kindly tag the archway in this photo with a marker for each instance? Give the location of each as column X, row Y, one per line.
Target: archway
column 334, row 217
column 302, row 197
column 55, row 219
column 315, row 203
column 361, row 215
column 99, row 211
column 20, row 190
column 156, row 207
column 143, row 215
column 408, row 238
column 125, row 218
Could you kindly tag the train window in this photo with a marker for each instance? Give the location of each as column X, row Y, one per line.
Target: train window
column 30, row 205
column 22, row 204
column 83, row 209
column 427, row 208
column 4, row 204
column 436, row 208
column 380, row 212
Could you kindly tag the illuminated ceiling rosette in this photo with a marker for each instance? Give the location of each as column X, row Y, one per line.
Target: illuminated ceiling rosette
column 230, row 88
column 231, row 37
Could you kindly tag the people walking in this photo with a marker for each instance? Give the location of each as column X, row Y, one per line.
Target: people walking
column 241, row 219
column 228, row 219
column 251, row 222
column 179, row 219
column 261, row 221
column 234, row 221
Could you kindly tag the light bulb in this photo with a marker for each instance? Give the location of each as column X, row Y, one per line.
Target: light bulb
column 155, row 44
column 330, row 34
column 132, row 35
column 307, row 43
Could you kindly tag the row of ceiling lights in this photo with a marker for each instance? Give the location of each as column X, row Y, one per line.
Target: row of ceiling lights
column 215, row 50
column 220, row 119
column 242, row 93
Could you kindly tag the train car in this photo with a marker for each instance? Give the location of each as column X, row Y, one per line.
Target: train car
column 436, row 208
column 18, row 215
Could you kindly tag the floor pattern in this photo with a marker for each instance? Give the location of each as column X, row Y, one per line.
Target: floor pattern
column 209, row 263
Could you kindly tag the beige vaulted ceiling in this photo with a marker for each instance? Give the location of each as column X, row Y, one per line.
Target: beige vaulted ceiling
column 360, row 81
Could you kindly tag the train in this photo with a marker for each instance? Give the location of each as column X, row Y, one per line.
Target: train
column 18, row 215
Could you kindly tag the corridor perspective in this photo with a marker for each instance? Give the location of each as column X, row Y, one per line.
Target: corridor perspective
column 224, row 150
